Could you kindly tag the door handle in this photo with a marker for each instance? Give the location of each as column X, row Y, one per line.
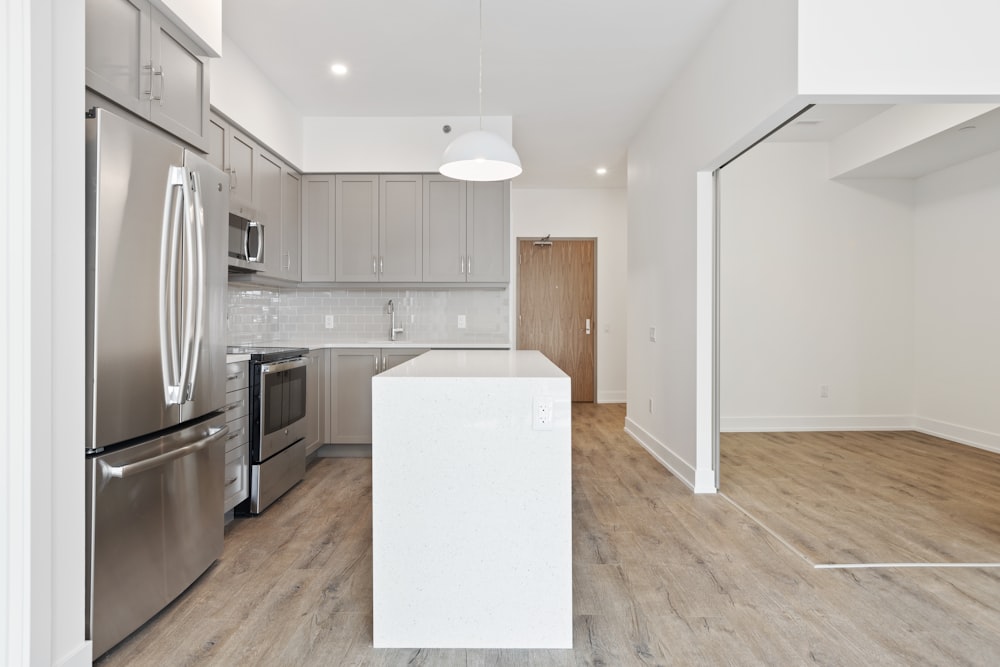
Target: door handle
column 129, row 469
column 588, row 326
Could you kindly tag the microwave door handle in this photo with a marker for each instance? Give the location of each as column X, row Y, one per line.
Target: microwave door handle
column 258, row 255
column 198, row 285
column 169, row 259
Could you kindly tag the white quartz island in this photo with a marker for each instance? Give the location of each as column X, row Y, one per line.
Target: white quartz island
column 472, row 538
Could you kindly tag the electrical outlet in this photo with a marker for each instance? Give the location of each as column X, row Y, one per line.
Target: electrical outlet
column 328, row 321
column 461, row 321
column 824, row 391
column 652, row 334
column 541, row 413
column 651, row 406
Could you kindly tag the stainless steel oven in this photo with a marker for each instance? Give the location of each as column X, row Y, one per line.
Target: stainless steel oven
column 277, row 423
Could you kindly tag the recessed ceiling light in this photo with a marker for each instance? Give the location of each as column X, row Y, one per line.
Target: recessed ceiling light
column 601, row 171
column 338, row 69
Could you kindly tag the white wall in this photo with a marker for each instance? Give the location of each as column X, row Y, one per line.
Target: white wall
column 202, row 18
column 241, row 92
column 387, row 144
column 42, row 299
column 896, row 48
column 816, row 288
column 957, row 302
column 740, row 82
column 584, row 213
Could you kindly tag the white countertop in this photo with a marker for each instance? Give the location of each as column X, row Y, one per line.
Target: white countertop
column 372, row 344
column 477, row 364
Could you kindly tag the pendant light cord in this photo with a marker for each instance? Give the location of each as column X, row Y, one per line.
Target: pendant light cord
column 480, row 64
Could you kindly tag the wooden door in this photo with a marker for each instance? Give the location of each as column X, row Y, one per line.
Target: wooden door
column 555, row 303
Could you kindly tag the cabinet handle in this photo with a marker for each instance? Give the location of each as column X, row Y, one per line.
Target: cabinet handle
column 461, row 264
column 234, row 376
column 374, row 264
column 230, row 481
column 149, row 93
column 375, row 360
column 380, row 270
column 233, row 180
column 163, row 84
column 286, row 265
column 468, row 265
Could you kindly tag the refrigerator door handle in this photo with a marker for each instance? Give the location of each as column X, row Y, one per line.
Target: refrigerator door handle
column 196, row 286
column 129, row 469
column 170, row 242
column 189, row 271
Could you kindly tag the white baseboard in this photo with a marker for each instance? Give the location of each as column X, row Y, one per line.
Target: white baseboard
column 667, row 458
column 80, row 656
column 611, row 396
column 827, row 423
column 966, row 436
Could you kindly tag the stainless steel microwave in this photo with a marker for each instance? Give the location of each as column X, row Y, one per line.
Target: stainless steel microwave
column 246, row 244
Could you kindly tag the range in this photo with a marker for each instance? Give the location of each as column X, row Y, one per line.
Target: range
column 277, row 422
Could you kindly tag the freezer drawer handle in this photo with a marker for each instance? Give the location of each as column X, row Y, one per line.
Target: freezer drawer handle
column 129, row 469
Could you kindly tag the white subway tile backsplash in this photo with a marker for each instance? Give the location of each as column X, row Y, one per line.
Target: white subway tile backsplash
column 263, row 315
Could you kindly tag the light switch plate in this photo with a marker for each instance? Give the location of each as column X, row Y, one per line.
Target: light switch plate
column 461, row 321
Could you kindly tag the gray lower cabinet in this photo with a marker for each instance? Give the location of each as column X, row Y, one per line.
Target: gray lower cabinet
column 350, row 402
column 317, row 379
column 237, row 411
column 138, row 59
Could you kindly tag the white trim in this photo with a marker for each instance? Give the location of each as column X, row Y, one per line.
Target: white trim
column 827, row 423
column 961, row 434
column 81, row 656
column 706, row 340
column 667, row 458
column 611, row 396
column 15, row 334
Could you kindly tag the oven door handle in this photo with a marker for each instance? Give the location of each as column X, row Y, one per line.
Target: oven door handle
column 287, row 365
column 129, row 469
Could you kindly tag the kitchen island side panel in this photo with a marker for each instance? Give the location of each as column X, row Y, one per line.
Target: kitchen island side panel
column 471, row 513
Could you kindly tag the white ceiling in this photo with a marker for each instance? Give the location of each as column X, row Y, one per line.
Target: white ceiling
column 967, row 140
column 577, row 76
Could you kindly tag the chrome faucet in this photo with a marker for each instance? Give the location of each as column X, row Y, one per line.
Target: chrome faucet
column 393, row 329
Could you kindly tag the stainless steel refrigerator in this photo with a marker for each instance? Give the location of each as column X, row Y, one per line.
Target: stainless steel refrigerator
column 155, row 341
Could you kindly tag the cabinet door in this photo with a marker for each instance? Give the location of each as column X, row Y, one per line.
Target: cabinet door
column 318, row 228
column 444, row 229
column 268, row 204
column 217, row 145
column 400, row 228
column 394, row 356
column 241, row 168
column 488, row 259
column 356, row 228
column 351, row 395
column 117, row 51
column 179, row 93
column 291, row 225
column 316, row 381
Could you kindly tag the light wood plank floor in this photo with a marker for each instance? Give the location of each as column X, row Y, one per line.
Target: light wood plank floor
column 661, row 576
column 868, row 497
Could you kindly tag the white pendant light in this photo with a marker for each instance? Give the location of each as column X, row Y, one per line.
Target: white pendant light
column 480, row 155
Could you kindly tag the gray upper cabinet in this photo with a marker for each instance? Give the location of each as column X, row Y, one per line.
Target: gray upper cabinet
column 241, row 168
column 138, row 59
column 291, row 224
column 267, row 188
column 217, row 143
column 466, row 231
column 445, row 218
column 400, row 228
column 488, row 232
column 318, row 210
column 356, row 225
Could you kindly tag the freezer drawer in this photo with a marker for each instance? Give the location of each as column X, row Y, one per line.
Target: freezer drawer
column 154, row 525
